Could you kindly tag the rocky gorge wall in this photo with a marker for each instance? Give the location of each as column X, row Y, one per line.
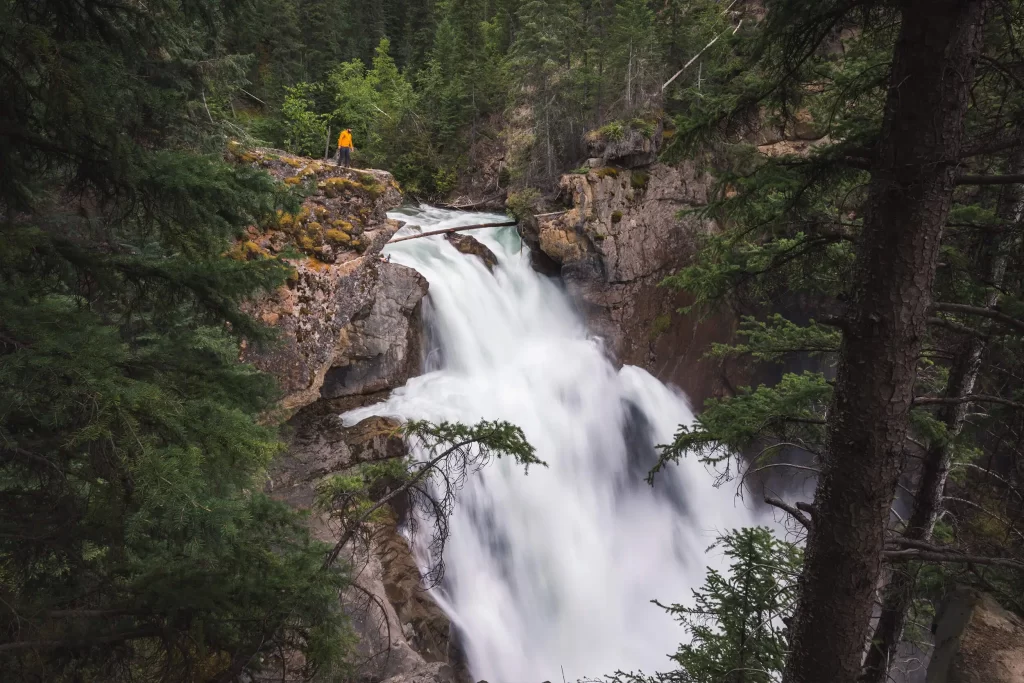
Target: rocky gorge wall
column 629, row 224
column 348, row 331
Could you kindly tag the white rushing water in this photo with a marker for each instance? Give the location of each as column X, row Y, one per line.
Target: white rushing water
column 551, row 574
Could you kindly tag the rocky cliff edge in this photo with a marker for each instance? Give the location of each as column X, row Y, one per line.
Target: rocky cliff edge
column 348, row 330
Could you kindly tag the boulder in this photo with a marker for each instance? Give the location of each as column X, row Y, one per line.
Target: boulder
column 976, row 641
column 470, row 245
column 379, row 348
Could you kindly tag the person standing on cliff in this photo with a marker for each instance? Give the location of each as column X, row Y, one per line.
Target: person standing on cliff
column 345, row 148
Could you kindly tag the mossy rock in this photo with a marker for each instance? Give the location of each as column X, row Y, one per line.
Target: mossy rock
column 247, row 251
column 374, row 190
column 336, row 187
column 616, row 216
column 338, row 237
column 639, row 180
column 607, row 172
column 293, row 180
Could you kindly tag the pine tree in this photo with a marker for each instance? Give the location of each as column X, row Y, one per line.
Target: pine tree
column 135, row 542
column 736, row 624
column 808, row 228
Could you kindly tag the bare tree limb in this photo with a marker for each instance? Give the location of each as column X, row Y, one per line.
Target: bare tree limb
column 957, row 327
column 796, row 514
column 972, row 398
column 912, row 555
column 1008, row 179
column 993, row 314
column 456, row 229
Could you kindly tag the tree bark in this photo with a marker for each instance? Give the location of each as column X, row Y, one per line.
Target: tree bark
column 899, row 592
column 913, row 177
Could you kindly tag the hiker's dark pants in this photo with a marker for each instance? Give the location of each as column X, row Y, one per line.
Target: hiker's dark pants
column 345, row 156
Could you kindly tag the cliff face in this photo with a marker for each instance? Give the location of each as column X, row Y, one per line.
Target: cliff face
column 345, row 319
column 348, row 331
column 626, row 230
column 402, row 633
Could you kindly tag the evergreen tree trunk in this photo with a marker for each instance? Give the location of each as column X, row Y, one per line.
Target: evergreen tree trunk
column 913, row 177
column 898, row 594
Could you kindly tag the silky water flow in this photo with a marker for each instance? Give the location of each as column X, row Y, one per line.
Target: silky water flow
column 551, row 574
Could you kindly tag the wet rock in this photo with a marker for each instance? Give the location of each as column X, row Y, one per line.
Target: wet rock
column 321, row 445
column 468, row 244
column 430, row 673
column 976, row 641
column 425, row 625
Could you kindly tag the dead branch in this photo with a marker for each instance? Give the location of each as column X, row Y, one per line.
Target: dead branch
column 971, row 398
column 387, row 622
column 1007, row 320
column 957, row 327
column 796, row 514
column 456, row 229
column 1008, row 179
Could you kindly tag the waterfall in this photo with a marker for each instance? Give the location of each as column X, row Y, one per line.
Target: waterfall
column 551, row 574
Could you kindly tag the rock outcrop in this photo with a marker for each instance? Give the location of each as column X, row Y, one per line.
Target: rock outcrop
column 976, row 641
column 403, row 634
column 349, row 330
column 343, row 310
column 625, row 231
column 471, row 246
column 625, row 145
column 379, row 348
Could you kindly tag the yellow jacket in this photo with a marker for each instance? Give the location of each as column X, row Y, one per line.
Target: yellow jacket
column 345, row 139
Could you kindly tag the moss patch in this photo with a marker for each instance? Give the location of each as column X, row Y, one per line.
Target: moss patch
column 616, row 216
column 661, row 325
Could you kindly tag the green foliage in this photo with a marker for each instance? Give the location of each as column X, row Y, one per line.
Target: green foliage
column 613, row 131
column 380, row 106
column 522, row 204
column 777, row 337
column 790, row 411
column 735, row 623
column 446, row 454
column 135, row 542
column 305, row 131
